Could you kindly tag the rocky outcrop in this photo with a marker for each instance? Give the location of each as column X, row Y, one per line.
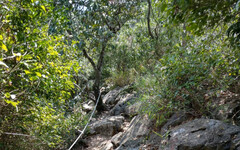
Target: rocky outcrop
column 107, row 146
column 176, row 119
column 224, row 106
column 204, row 134
column 108, row 127
column 123, row 106
column 111, row 96
column 138, row 130
column 113, row 130
column 116, row 139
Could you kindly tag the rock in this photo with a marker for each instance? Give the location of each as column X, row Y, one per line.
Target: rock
column 108, row 126
column 132, row 144
column 121, row 106
column 108, row 146
column 153, row 141
column 174, row 120
column 87, row 107
column 225, row 107
column 155, row 138
column 116, row 139
column 204, row 134
column 110, row 97
column 135, row 135
column 132, row 109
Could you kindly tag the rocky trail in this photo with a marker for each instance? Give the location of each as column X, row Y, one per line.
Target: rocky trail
column 122, row 128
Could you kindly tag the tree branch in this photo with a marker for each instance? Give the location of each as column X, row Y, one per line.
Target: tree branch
column 85, row 54
column 101, row 57
column 148, row 19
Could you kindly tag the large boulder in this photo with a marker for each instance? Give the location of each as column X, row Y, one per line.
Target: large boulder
column 175, row 120
column 123, row 105
column 225, row 106
column 157, row 135
column 137, row 132
column 132, row 109
column 111, row 96
column 203, row 134
column 108, row 126
column 116, row 139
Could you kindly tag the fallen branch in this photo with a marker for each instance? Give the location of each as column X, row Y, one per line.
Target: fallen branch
column 18, row 134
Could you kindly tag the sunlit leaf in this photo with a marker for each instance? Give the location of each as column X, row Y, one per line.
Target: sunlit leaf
column 7, row 95
column 38, row 74
column 43, row 7
column 27, row 71
column 4, row 47
column 18, row 58
column 12, row 103
column 53, row 53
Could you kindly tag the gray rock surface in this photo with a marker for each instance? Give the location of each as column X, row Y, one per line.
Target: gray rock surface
column 88, row 106
column 174, row 120
column 132, row 109
column 121, row 106
column 108, row 146
column 111, row 96
column 108, row 126
column 204, row 134
column 138, row 131
column 225, row 106
column 116, row 139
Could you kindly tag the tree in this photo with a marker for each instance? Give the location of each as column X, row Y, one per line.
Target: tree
column 92, row 24
column 36, row 80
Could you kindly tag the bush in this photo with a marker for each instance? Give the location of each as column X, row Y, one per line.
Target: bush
column 182, row 77
column 121, row 78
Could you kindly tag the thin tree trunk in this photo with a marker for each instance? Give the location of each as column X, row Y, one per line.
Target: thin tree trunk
column 149, row 20
column 98, row 77
column 96, row 89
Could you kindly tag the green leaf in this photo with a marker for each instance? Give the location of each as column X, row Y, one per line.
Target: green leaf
column 12, row 103
column 164, row 6
column 38, row 74
column 43, row 7
column 7, row 95
column 4, row 47
column 70, row 83
column 27, row 71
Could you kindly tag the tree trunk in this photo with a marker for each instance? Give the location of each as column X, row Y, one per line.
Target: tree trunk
column 98, row 77
column 96, row 89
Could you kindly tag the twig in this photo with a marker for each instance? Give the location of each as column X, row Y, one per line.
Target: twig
column 234, row 117
column 18, row 134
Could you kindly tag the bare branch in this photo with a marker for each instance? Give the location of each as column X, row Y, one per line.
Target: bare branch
column 89, row 58
column 18, row 134
column 148, row 19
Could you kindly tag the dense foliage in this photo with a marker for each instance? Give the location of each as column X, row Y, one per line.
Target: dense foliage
column 174, row 51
